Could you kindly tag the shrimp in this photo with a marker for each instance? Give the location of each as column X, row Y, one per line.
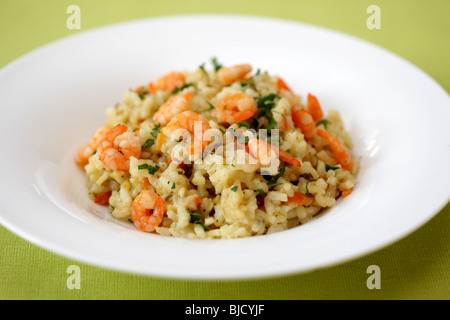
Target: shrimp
column 303, row 120
column 195, row 124
column 117, row 147
column 265, row 153
column 314, row 107
column 168, row 82
column 236, row 108
column 147, row 210
column 286, row 92
column 88, row 150
column 228, row 75
column 172, row 107
column 339, row 150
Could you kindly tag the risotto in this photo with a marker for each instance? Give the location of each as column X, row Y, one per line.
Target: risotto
column 219, row 152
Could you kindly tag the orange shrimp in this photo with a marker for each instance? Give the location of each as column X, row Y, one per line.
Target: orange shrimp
column 195, row 124
column 228, row 75
column 303, row 120
column 236, row 108
column 282, row 85
column 286, row 92
column 172, row 107
column 117, row 147
column 168, row 82
column 314, row 108
column 147, row 210
column 265, row 153
column 339, row 150
column 88, row 150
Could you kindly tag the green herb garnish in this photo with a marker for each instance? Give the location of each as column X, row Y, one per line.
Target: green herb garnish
column 202, row 67
column 195, row 218
column 266, row 104
column 323, row 121
column 234, row 188
column 329, row 167
column 272, row 180
column 148, row 143
column 173, row 186
column 260, row 192
column 178, row 89
column 151, row 169
column 216, row 64
column 156, row 130
column 143, row 92
column 244, row 124
column 202, row 225
column 272, row 123
column 307, row 191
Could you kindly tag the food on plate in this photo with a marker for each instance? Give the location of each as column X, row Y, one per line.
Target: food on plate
column 220, row 152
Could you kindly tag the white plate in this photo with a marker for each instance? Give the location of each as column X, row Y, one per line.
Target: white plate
column 54, row 98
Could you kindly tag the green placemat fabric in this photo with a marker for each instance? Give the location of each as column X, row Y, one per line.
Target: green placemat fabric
column 416, row 267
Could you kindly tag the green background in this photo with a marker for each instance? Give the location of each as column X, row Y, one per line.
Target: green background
column 416, row 267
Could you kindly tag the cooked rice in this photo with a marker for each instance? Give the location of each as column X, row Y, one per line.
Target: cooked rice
column 236, row 200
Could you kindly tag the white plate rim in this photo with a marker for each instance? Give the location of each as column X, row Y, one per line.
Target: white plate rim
column 292, row 269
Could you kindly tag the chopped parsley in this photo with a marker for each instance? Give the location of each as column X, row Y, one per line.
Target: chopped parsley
column 330, row 167
column 202, row 67
column 178, row 89
column 272, row 180
column 244, row 124
column 148, row 143
column 272, row 123
column 246, row 85
column 151, row 169
column 195, row 218
column 173, row 186
column 260, row 192
column 307, row 191
column 156, row 130
column 266, row 104
column 234, row 188
column 142, row 92
column 323, row 121
column 216, row 64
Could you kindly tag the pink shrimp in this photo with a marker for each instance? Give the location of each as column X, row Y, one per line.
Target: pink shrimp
column 88, row 150
column 265, row 153
column 236, row 108
column 228, row 75
column 172, row 107
column 303, row 120
column 117, row 147
column 168, row 82
column 147, row 210
column 314, row 108
column 195, row 124
column 286, row 92
column 339, row 150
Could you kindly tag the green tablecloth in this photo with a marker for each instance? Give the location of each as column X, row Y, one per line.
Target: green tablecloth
column 416, row 267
